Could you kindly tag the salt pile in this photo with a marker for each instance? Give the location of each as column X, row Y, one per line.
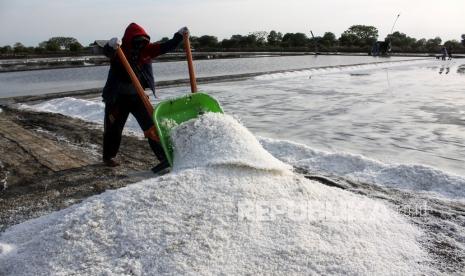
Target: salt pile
column 87, row 110
column 418, row 178
column 217, row 218
column 217, row 139
column 74, row 107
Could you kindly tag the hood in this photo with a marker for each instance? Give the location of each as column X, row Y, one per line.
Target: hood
column 132, row 31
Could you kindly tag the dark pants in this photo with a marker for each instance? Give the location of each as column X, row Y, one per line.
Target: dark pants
column 116, row 114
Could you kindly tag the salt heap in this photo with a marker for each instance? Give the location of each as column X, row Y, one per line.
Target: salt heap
column 240, row 216
column 217, row 139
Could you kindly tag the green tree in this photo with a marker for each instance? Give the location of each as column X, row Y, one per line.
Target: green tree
column 240, row 41
column 75, row 47
column 53, row 47
column 294, row 40
column 433, row 45
column 61, row 43
column 250, row 41
column 349, row 40
column 453, row 44
column 401, row 41
column 261, row 37
column 235, row 41
column 39, row 50
column 229, row 43
column 226, row 43
column 18, row 47
column 328, row 40
column 274, row 38
column 7, row 49
column 207, row 41
column 42, row 45
column 420, row 45
column 463, row 39
column 359, row 35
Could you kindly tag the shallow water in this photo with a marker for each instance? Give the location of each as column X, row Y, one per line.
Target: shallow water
column 410, row 112
column 401, row 113
column 59, row 80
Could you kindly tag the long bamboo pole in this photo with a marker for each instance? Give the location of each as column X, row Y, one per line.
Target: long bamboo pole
column 135, row 81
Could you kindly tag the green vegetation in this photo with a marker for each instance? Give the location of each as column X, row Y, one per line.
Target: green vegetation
column 55, row 45
column 357, row 38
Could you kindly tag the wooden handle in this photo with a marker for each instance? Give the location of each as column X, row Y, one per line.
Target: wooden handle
column 135, row 81
column 190, row 65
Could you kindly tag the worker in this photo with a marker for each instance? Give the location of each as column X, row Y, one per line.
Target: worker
column 120, row 96
column 444, row 54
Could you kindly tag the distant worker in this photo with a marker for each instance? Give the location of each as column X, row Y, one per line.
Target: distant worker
column 444, row 53
column 380, row 48
column 449, row 52
column 120, row 95
column 375, row 49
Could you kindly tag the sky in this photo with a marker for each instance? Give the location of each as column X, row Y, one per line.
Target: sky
column 34, row 21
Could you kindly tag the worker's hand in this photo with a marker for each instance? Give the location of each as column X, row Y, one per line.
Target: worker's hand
column 114, row 43
column 183, row 30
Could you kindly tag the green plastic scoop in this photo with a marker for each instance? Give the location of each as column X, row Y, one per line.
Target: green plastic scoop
column 171, row 113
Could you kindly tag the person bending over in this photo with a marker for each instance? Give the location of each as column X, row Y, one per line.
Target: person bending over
column 120, row 95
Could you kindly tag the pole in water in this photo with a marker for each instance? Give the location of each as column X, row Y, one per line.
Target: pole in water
column 393, row 25
column 390, row 35
column 314, row 43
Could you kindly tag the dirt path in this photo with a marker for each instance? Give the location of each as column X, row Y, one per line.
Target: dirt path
column 49, row 161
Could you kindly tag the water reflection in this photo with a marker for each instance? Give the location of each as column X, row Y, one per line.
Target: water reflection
column 461, row 69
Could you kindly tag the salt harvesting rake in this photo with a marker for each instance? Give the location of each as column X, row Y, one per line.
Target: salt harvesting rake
column 172, row 112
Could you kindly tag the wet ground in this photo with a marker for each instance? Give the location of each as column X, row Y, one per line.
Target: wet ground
column 50, row 161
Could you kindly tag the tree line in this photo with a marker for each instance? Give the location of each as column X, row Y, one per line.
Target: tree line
column 357, row 38
column 57, row 44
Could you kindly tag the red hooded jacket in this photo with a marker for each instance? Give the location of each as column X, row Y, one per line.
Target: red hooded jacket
column 151, row 51
column 141, row 63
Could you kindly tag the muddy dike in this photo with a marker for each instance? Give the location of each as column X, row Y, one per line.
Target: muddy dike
column 45, row 63
column 49, row 162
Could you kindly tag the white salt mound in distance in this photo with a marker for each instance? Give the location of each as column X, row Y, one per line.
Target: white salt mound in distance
column 218, row 139
column 79, row 108
column 208, row 221
column 418, row 178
